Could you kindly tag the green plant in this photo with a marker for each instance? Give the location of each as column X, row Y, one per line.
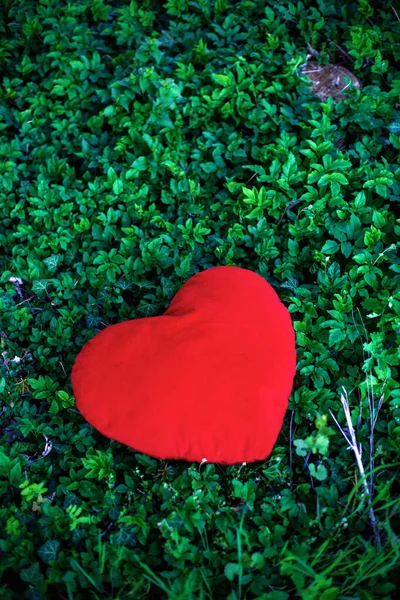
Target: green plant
column 140, row 143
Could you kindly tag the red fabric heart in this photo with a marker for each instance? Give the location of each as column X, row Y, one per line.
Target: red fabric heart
column 209, row 379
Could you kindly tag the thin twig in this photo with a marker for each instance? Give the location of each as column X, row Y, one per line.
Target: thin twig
column 307, row 460
column 345, row 87
column 23, row 301
column 252, row 177
column 395, row 12
column 373, row 416
column 345, row 54
column 62, row 366
column 373, row 411
column 290, row 440
column 312, row 50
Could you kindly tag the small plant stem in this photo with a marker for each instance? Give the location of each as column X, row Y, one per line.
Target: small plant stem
column 351, row 439
column 290, row 441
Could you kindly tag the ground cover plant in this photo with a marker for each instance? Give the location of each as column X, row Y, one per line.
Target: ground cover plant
column 141, row 142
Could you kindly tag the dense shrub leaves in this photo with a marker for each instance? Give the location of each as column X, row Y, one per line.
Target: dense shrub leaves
column 141, row 143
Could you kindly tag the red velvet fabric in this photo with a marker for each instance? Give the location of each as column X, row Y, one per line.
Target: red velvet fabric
column 208, row 379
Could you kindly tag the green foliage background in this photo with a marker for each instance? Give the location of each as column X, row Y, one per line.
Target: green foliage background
column 141, row 142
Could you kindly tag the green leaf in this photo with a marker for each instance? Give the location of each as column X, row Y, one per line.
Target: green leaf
column 183, row 269
column 15, row 475
column 4, row 461
column 324, row 180
column 290, row 166
column 346, row 248
column 378, row 219
column 339, row 178
column 301, row 447
column 336, row 336
column 118, row 187
column 209, row 167
column 293, row 247
column 330, row 247
column 140, row 164
column 109, row 111
column 32, row 574
column 125, row 537
column 231, row 570
column 77, row 64
column 54, row 409
column 111, row 175
column 360, row 200
column 49, row 550
column 319, row 472
column 40, row 286
column 223, row 80
column 395, row 127
column 52, row 261
column 92, row 321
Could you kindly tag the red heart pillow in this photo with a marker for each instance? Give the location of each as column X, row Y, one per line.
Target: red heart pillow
column 210, row 379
